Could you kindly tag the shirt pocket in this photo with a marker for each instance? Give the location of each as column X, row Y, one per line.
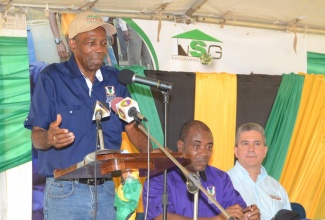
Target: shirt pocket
column 277, row 202
column 73, row 118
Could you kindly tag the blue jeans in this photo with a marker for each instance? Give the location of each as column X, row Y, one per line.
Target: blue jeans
column 72, row 200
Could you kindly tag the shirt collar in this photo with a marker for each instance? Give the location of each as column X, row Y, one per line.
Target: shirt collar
column 202, row 174
column 241, row 169
column 244, row 172
column 75, row 73
column 99, row 75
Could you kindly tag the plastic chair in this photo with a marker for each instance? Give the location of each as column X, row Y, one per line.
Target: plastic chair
column 297, row 207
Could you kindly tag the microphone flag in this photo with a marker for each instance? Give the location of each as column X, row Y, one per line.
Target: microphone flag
column 124, row 107
column 100, row 109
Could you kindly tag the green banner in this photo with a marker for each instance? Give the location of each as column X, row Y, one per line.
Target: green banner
column 14, row 102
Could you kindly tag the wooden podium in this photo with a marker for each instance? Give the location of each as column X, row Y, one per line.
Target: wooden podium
column 112, row 163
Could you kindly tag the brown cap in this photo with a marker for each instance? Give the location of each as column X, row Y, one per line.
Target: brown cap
column 88, row 21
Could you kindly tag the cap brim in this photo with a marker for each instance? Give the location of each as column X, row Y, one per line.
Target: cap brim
column 110, row 29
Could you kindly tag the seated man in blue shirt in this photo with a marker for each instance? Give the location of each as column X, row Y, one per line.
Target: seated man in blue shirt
column 196, row 143
column 250, row 177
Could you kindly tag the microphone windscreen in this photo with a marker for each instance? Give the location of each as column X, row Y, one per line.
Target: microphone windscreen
column 125, row 76
column 114, row 102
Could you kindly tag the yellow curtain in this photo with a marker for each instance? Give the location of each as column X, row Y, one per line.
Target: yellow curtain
column 215, row 105
column 303, row 174
column 66, row 19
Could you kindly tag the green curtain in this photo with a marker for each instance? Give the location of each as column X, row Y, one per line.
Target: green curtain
column 316, row 63
column 14, row 102
column 295, row 137
column 281, row 122
column 142, row 94
column 303, row 172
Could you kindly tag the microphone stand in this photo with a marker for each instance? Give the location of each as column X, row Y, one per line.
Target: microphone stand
column 101, row 144
column 165, row 195
column 196, row 205
column 191, row 188
column 100, row 135
column 191, row 176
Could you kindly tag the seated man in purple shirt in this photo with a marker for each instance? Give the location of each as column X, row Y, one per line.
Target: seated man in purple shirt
column 196, row 142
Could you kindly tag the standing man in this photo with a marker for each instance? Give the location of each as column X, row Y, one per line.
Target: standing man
column 250, row 178
column 196, row 143
column 123, row 38
column 138, row 53
column 63, row 131
column 65, row 19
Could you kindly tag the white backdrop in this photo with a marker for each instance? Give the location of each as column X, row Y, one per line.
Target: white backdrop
column 244, row 50
column 316, row 43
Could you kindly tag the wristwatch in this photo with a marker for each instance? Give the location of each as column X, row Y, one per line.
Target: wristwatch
column 57, row 40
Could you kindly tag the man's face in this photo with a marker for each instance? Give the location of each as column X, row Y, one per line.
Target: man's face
column 251, row 150
column 198, row 147
column 89, row 49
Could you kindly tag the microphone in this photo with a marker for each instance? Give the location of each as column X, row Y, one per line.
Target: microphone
column 98, row 115
column 128, row 76
column 100, row 111
column 127, row 109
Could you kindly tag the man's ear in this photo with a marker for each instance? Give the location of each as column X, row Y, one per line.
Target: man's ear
column 235, row 151
column 265, row 151
column 72, row 44
column 180, row 146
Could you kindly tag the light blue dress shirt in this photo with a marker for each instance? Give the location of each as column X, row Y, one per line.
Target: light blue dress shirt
column 267, row 193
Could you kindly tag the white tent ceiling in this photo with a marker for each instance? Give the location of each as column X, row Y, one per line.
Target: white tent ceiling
column 304, row 16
